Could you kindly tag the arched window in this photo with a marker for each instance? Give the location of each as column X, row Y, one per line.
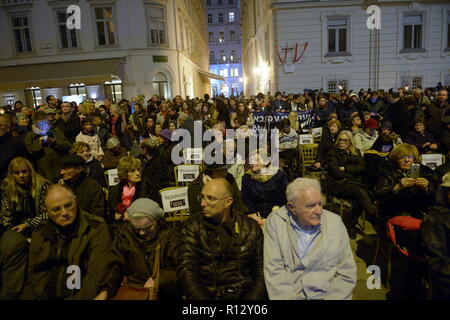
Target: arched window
column 160, row 85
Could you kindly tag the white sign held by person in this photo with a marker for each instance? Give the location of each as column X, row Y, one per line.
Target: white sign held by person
column 306, row 138
column 113, row 177
column 432, row 161
column 175, row 199
column 188, row 173
column 194, row 155
column 316, row 132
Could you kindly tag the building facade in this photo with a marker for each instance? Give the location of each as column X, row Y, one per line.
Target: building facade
column 411, row 47
column 225, row 46
column 121, row 49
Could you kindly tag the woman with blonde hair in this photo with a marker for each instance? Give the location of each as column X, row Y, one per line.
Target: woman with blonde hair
column 23, row 190
column 345, row 169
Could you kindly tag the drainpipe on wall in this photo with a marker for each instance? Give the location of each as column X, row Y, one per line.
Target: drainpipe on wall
column 176, row 41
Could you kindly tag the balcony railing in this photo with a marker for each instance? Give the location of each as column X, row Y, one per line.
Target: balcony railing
column 13, row 2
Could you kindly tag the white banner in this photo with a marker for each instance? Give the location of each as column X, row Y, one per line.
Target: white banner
column 175, row 199
column 113, row 177
column 306, row 138
column 432, row 160
column 188, row 173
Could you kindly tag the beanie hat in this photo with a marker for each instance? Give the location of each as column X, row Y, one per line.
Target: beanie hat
column 371, row 123
column 145, row 208
column 386, row 124
column 72, row 160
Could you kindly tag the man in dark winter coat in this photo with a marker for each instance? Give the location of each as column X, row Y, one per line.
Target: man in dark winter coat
column 220, row 250
column 89, row 192
column 69, row 253
column 69, row 123
column 13, row 263
column 10, row 146
column 46, row 145
column 142, row 243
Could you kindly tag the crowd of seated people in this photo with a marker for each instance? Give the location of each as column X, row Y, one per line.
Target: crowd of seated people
column 370, row 153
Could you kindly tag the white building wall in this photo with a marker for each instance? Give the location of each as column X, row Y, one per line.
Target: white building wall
column 303, row 21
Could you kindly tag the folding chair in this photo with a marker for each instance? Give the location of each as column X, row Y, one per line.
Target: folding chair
column 308, row 153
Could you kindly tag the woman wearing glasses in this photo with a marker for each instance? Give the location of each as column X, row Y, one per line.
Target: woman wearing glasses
column 399, row 193
column 345, row 169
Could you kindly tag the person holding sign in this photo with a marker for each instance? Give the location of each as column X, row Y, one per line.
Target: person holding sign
column 220, row 250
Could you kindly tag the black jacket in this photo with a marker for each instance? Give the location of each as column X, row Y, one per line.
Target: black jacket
column 354, row 169
column 409, row 201
column 11, row 147
column 327, row 142
column 71, row 128
column 218, row 262
column 90, row 195
column 155, row 177
column 436, row 240
column 399, row 114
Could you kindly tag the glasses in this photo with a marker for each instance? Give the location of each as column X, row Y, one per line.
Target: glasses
column 407, row 158
column 209, row 199
column 343, row 140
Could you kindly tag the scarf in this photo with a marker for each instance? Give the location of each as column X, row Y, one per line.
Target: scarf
column 128, row 195
column 264, row 175
column 114, row 119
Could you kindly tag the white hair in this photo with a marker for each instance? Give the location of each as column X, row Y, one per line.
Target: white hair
column 301, row 184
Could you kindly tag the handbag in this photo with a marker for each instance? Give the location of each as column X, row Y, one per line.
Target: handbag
column 130, row 292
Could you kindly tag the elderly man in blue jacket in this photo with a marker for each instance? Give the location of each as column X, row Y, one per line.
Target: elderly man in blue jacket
column 307, row 254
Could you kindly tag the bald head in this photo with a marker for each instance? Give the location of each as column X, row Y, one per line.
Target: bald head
column 61, row 205
column 220, row 186
column 217, row 199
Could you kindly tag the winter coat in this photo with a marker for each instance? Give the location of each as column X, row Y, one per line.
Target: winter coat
column 47, row 156
column 9, row 215
column 103, row 134
column 13, row 264
column 221, row 261
column 399, row 114
column 155, row 176
column 409, row 201
column 436, row 239
column 90, row 195
column 94, row 143
column 354, row 169
column 134, row 258
column 95, row 170
column 327, row 272
column 196, row 186
column 260, row 193
column 111, row 160
column 377, row 166
column 115, row 198
column 419, row 139
column 364, row 142
column 11, row 147
column 327, row 143
column 71, row 128
column 89, row 250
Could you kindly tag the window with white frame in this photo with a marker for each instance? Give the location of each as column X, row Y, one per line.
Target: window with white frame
column 77, row 89
column 219, row 2
column 235, row 89
column 35, row 93
column 231, row 16
column 223, row 57
column 233, row 55
column 335, row 85
column 210, row 18
column 104, row 21
column 113, row 90
column 208, row 2
column 68, row 38
column 21, row 30
column 412, row 31
column 338, row 29
column 220, row 17
column 221, row 36
column 156, row 15
column 211, row 36
column 224, row 72
column 234, row 72
column 211, row 56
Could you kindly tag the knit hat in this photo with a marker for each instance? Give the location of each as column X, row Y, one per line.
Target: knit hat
column 386, row 124
column 112, row 143
column 145, row 208
column 371, row 123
